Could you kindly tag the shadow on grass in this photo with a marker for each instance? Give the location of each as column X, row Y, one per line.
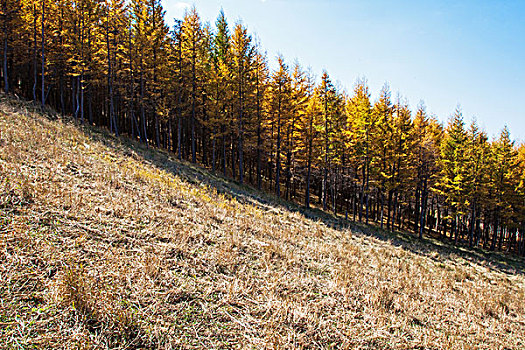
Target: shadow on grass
column 445, row 249
column 428, row 246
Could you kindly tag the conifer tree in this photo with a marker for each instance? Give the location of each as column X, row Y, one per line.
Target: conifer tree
column 221, row 87
column 327, row 95
column 299, row 97
column 424, row 156
column 476, row 177
column 403, row 144
column 261, row 83
column 504, row 181
column 192, row 47
column 242, row 60
column 362, row 125
column 280, row 109
column 308, row 127
column 139, row 19
column 383, row 112
column 453, row 169
column 158, row 37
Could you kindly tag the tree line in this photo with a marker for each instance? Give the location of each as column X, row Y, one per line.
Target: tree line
column 208, row 94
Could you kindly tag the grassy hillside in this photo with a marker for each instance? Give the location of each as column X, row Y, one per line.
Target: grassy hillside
column 107, row 244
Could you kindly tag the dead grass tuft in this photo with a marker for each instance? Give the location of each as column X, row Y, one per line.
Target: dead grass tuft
column 97, row 308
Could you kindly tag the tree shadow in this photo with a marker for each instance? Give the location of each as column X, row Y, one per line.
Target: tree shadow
column 433, row 248
column 444, row 250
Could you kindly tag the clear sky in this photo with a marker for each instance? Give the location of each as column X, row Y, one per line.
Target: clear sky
column 446, row 53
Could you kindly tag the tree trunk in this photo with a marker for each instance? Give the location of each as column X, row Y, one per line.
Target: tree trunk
column 417, row 207
column 179, row 133
column 35, row 70
column 143, row 134
column 389, row 209
column 325, row 185
column 213, row 151
column 81, row 82
column 381, row 218
column 502, row 231
column 495, row 233
column 394, row 211
column 112, row 119
column 477, row 232
column 259, row 146
column 193, row 102
column 6, row 80
column 278, row 151
column 309, row 166
column 240, row 140
column 367, row 202
column 334, row 192
column 223, row 131
column 288, row 165
column 471, row 225
column 155, row 89
column 77, row 102
column 43, row 97
column 204, row 135
column 353, row 203
column 423, row 213
column 259, row 127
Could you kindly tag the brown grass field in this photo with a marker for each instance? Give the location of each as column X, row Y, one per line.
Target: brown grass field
column 107, row 244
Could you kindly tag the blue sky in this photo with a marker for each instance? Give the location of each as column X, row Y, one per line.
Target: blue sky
column 445, row 53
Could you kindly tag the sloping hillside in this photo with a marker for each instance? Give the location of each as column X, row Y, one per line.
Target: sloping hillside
column 107, row 244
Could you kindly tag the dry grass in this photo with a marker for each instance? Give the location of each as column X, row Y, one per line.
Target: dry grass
column 102, row 246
